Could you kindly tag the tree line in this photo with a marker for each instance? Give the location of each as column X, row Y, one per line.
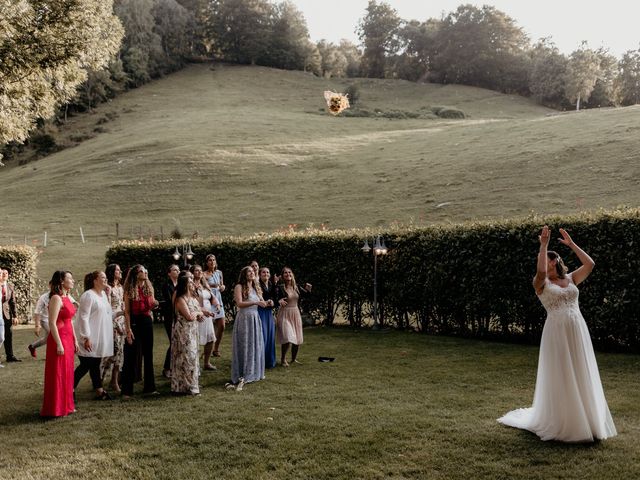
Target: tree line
column 61, row 57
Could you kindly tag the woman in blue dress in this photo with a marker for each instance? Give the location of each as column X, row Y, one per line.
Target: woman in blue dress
column 214, row 279
column 247, row 356
column 266, row 316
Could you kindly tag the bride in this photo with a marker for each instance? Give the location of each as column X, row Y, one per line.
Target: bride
column 569, row 403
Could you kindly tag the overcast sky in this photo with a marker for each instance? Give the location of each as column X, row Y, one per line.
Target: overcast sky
column 611, row 23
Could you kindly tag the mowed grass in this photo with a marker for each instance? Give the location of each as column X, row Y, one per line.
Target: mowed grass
column 392, row 405
column 240, row 149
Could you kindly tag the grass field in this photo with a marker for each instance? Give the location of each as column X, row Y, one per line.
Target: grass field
column 238, row 149
column 394, row 405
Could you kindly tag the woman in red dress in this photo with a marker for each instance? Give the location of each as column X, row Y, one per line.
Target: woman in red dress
column 61, row 347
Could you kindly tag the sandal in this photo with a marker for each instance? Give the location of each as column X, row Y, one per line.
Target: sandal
column 215, row 353
column 210, row 367
column 229, row 386
column 103, row 396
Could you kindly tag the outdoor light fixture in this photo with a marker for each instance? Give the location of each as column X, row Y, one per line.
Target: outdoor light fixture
column 187, row 254
column 379, row 248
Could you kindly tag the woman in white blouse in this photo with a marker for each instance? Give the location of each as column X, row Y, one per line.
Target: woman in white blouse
column 94, row 330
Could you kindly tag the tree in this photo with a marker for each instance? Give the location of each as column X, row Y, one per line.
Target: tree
column 174, row 25
column 627, row 83
column 46, row 48
column 334, row 63
column 603, row 94
column 378, row 32
column 582, row 73
column 418, row 41
column 141, row 52
column 353, row 56
column 288, row 42
column 547, row 73
column 483, row 47
column 237, row 29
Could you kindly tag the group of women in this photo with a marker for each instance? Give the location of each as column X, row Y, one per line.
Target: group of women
column 113, row 329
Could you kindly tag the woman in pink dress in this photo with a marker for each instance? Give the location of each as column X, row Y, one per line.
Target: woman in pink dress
column 289, row 320
column 61, row 347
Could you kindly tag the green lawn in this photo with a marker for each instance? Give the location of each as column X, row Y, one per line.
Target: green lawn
column 393, row 405
column 242, row 149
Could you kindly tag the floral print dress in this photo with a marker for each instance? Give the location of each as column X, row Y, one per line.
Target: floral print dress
column 116, row 297
column 184, row 352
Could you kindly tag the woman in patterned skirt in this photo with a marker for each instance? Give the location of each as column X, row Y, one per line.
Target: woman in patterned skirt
column 116, row 297
column 184, row 339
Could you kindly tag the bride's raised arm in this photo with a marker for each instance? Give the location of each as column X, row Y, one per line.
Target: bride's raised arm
column 541, row 270
column 582, row 272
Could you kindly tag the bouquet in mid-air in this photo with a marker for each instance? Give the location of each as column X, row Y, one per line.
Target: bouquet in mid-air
column 336, row 102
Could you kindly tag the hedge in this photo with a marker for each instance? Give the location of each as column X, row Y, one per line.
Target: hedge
column 472, row 279
column 21, row 261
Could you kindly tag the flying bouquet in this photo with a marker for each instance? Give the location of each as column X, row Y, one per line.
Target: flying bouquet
column 336, row 102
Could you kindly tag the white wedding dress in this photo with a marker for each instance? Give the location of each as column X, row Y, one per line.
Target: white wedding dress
column 569, row 403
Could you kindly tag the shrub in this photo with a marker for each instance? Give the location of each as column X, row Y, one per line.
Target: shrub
column 43, row 143
column 446, row 112
column 22, row 261
column 353, row 93
column 356, row 112
column 472, row 279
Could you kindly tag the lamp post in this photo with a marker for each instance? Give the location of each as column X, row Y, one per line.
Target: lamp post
column 379, row 248
column 187, row 253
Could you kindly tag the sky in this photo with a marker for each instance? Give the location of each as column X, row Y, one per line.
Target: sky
column 612, row 23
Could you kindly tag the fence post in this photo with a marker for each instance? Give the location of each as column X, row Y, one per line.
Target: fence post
column 82, row 235
column 117, row 231
column 45, row 238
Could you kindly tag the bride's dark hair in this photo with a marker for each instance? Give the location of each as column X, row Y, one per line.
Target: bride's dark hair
column 561, row 268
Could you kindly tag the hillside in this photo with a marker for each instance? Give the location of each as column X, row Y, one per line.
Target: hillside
column 236, row 149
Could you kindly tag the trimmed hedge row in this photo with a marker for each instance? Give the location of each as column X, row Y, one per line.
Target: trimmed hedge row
column 471, row 280
column 21, row 261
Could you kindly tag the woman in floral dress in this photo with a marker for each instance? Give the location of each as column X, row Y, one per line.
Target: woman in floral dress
column 116, row 297
column 184, row 339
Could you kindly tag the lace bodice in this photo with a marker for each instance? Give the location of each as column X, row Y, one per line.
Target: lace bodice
column 555, row 297
column 253, row 297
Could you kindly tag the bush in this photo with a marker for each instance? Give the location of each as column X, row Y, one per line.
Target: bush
column 471, row 280
column 22, row 261
column 353, row 93
column 43, row 143
column 448, row 112
column 356, row 112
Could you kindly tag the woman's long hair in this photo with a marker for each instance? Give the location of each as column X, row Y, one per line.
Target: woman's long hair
column 243, row 279
column 111, row 274
column 561, row 268
column 206, row 262
column 293, row 279
column 202, row 283
column 55, row 285
column 131, row 284
column 182, row 288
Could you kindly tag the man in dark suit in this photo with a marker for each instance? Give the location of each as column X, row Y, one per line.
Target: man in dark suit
column 8, row 314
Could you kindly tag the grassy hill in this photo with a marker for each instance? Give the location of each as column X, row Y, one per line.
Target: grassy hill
column 233, row 149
